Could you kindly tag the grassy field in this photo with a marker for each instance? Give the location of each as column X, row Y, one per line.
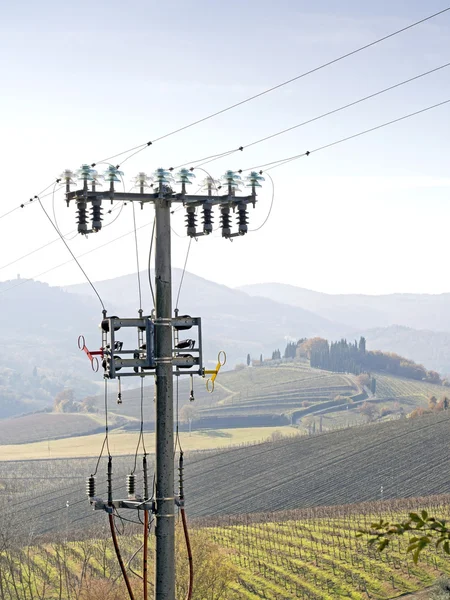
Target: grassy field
column 121, row 442
column 306, row 554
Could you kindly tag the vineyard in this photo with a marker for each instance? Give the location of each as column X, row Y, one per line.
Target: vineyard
column 315, row 554
column 307, row 554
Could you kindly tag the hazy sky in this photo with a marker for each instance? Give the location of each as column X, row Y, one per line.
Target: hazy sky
column 83, row 81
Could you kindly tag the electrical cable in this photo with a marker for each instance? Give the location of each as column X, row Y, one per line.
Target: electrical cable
column 145, row 555
column 72, row 254
column 314, row 119
column 182, row 274
column 106, row 439
column 119, row 556
column 141, row 430
column 137, row 257
column 270, row 208
column 66, row 235
column 276, row 87
column 189, row 553
column 149, row 263
column 71, row 260
column 340, row 141
column 31, row 199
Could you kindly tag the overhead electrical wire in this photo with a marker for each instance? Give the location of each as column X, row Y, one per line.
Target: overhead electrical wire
column 150, row 262
column 270, row 207
column 137, row 257
column 278, row 86
column 241, row 148
column 2, row 291
column 66, row 235
column 282, row 161
column 183, row 273
column 72, row 254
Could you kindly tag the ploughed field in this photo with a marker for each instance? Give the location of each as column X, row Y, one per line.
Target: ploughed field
column 395, row 459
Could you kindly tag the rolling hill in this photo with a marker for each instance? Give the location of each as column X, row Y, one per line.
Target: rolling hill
column 407, row 458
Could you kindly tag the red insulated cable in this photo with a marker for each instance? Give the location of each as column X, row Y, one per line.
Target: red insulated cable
column 189, row 551
column 119, row 556
column 145, row 560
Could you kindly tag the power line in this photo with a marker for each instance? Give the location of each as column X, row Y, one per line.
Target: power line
column 72, row 254
column 182, row 275
column 71, row 260
column 16, row 260
column 288, row 159
column 313, row 119
column 278, row 86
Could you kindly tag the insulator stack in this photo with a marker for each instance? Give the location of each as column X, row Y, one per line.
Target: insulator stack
column 207, row 218
column 131, row 485
column 96, row 215
column 109, row 482
column 144, row 464
column 191, row 221
column 81, row 217
column 180, row 477
column 242, row 219
column 90, row 487
column 225, row 221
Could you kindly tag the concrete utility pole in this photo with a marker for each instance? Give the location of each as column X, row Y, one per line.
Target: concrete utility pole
column 159, row 352
column 165, row 500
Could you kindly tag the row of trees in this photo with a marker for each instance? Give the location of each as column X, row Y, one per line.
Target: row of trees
column 348, row 357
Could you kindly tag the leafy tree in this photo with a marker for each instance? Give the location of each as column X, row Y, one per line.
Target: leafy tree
column 427, row 530
column 261, row 358
column 248, row 360
column 373, row 386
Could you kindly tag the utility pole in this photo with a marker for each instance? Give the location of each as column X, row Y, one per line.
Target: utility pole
column 165, row 498
column 159, row 350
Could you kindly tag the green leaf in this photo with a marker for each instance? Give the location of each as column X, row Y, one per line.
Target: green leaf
column 424, row 515
column 446, row 547
column 415, row 517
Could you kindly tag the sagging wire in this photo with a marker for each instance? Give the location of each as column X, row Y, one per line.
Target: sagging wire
column 149, row 262
column 137, row 258
column 282, row 161
column 119, row 556
column 69, row 261
column 141, row 431
column 106, row 438
column 182, row 274
column 271, row 205
column 72, row 254
column 185, row 526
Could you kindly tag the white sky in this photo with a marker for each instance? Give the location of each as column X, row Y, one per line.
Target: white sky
column 85, row 81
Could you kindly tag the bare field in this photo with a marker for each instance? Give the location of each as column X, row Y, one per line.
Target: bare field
column 44, row 426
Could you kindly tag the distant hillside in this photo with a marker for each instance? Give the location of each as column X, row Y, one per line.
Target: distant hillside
column 38, row 353
column 430, row 348
column 419, row 311
column 231, row 319
column 416, row 326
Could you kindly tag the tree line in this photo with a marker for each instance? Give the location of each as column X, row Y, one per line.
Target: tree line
column 353, row 357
